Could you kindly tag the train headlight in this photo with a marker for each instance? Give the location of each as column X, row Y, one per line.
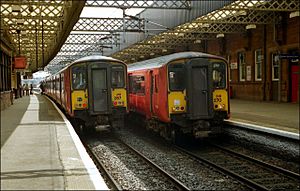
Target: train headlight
column 220, row 106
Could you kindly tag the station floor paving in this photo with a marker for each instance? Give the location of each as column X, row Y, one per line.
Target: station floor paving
column 281, row 116
column 41, row 151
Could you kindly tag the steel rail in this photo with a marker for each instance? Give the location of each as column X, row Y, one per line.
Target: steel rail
column 263, row 164
column 102, row 169
column 249, row 183
column 178, row 183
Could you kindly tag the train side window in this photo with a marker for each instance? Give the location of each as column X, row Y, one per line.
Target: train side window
column 79, row 77
column 117, row 77
column 137, row 85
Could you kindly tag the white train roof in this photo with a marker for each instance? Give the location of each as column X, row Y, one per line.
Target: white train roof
column 163, row 60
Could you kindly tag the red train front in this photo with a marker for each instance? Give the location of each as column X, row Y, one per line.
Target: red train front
column 180, row 93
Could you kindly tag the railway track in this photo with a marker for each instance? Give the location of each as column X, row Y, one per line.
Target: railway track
column 151, row 175
column 252, row 172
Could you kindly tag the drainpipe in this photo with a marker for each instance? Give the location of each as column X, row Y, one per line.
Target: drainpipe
column 265, row 63
column 275, row 35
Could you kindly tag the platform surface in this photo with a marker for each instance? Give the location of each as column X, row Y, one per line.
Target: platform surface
column 41, row 151
column 281, row 116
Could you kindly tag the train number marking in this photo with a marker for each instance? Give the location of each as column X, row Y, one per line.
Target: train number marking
column 218, row 98
column 118, row 96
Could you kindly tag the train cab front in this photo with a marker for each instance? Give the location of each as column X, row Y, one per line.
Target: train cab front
column 105, row 94
column 202, row 104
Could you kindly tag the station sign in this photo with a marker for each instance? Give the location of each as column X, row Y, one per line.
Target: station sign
column 20, row 62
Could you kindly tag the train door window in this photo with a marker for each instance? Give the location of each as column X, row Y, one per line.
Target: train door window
column 275, row 67
column 258, row 64
column 156, row 84
column 62, row 82
column 176, row 77
column 242, row 65
column 79, row 77
column 219, row 74
column 117, row 77
column 229, row 69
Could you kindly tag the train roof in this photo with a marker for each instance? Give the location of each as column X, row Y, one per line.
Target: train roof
column 87, row 59
column 163, row 60
column 93, row 58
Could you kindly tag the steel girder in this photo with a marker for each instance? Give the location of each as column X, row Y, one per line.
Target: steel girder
column 126, row 24
column 264, row 5
column 238, row 17
column 83, row 47
column 105, row 39
column 231, row 18
column 162, row 4
column 109, row 25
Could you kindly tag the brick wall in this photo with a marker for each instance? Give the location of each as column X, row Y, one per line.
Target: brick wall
column 271, row 38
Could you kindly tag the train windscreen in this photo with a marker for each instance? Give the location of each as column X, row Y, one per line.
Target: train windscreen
column 117, row 77
column 176, row 77
column 219, row 74
column 79, row 77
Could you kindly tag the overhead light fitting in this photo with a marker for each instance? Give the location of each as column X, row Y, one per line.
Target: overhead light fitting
column 294, row 14
column 251, row 26
column 181, row 34
column 16, row 8
column 151, row 54
column 23, row 32
column 20, row 21
column 221, row 35
column 205, row 25
column 164, row 50
column 142, row 56
column 197, row 41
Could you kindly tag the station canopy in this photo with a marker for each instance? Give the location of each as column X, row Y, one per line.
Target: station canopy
column 52, row 34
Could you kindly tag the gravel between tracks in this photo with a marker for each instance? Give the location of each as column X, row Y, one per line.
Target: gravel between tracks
column 130, row 171
column 193, row 174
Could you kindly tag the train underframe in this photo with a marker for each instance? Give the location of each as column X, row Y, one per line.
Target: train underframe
column 180, row 126
column 88, row 123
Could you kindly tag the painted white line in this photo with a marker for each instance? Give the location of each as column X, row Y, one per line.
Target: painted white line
column 264, row 129
column 94, row 174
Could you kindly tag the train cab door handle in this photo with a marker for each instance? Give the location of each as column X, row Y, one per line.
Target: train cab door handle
column 104, row 90
column 204, row 91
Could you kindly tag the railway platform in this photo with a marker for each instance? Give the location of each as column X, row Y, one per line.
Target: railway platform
column 41, row 151
column 273, row 117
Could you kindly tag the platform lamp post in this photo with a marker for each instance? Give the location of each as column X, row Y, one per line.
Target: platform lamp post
column 19, row 41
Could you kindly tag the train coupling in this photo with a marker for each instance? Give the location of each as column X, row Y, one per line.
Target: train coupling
column 102, row 127
column 201, row 134
column 201, row 129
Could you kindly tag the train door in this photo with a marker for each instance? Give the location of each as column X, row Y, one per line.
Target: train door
column 199, row 88
column 294, row 75
column 98, row 88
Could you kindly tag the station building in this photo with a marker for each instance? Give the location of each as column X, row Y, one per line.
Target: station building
column 263, row 62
